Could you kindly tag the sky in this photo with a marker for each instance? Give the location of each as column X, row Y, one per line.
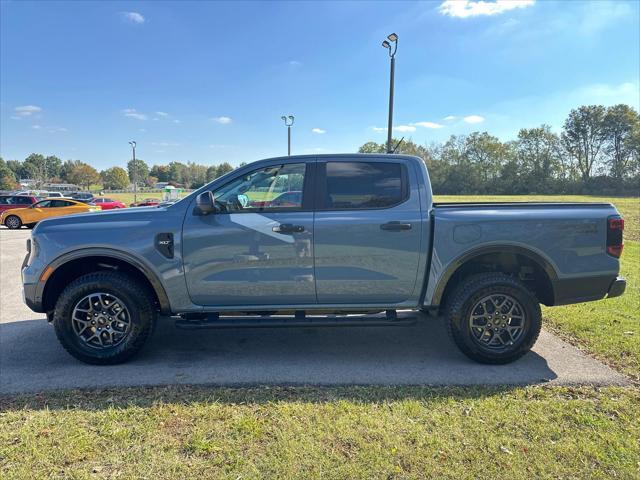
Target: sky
column 209, row 81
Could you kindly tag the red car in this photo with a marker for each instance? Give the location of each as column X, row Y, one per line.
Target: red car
column 7, row 202
column 147, row 202
column 107, row 203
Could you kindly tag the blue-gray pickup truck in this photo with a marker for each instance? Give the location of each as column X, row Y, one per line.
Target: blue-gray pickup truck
column 326, row 240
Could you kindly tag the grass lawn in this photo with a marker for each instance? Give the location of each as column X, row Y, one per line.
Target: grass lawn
column 354, row 432
column 307, row 433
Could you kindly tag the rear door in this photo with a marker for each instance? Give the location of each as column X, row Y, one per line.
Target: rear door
column 367, row 232
column 253, row 252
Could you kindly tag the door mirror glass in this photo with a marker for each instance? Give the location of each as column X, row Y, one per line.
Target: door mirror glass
column 205, row 203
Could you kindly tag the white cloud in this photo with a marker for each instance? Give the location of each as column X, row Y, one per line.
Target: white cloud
column 318, row 130
column 57, row 129
column 473, row 119
column 27, row 110
column 133, row 17
column 474, row 8
column 295, row 63
column 133, row 113
column 222, row 120
column 427, row 124
column 450, row 118
column 177, row 121
column 165, row 144
column 36, row 127
column 143, row 130
column 16, row 118
column 405, row 128
column 162, row 114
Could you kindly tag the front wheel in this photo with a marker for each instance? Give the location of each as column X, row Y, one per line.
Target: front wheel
column 13, row 222
column 104, row 318
column 493, row 318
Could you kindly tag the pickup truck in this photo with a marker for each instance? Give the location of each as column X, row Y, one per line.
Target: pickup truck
column 363, row 244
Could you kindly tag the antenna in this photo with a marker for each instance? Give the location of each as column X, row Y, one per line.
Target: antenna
column 397, row 145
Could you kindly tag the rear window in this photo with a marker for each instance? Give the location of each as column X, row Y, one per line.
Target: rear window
column 362, row 185
column 5, row 201
column 22, row 200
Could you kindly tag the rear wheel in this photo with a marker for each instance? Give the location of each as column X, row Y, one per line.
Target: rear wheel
column 13, row 222
column 493, row 318
column 104, row 318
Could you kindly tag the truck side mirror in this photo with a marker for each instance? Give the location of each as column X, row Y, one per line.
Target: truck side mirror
column 205, row 203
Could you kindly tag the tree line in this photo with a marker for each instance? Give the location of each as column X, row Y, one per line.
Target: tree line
column 597, row 152
column 50, row 169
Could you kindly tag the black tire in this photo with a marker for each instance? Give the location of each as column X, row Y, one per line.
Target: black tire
column 136, row 299
column 468, row 299
column 12, row 222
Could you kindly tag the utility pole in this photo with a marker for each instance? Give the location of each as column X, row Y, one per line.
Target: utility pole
column 391, row 47
column 135, row 171
column 288, row 121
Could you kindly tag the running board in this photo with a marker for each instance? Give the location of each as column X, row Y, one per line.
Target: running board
column 390, row 319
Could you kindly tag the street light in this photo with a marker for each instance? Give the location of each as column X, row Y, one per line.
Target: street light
column 288, row 121
column 135, row 172
column 391, row 47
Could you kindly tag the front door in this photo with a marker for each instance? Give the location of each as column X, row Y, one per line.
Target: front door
column 367, row 232
column 257, row 249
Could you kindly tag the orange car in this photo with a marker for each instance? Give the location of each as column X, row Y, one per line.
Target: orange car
column 47, row 208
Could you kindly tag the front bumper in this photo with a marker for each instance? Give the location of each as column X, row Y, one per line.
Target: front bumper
column 30, row 295
column 617, row 287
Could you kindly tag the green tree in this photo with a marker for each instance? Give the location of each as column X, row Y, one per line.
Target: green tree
column 584, row 135
column 223, row 169
column 84, row 175
column 620, row 123
column 539, row 159
column 138, row 170
column 67, row 169
column 7, row 176
column 177, row 172
column 161, row 172
column 115, row 178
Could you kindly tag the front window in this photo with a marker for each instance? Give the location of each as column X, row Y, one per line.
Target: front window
column 42, row 204
column 269, row 188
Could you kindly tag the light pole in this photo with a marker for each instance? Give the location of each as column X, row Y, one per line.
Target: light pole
column 135, row 171
column 288, row 121
column 392, row 47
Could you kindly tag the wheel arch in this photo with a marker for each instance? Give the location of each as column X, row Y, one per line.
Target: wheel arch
column 75, row 264
column 513, row 259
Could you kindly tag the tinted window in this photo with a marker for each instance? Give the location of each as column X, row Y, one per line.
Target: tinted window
column 357, row 185
column 22, row 200
column 60, row 203
column 43, row 204
column 5, row 201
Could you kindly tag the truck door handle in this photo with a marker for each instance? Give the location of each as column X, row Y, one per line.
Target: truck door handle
column 395, row 226
column 288, row 228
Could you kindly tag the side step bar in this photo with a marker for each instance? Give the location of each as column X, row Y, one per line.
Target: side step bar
column 300, row 319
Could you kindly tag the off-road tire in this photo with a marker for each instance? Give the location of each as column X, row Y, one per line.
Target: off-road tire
column 14, row 224
column 135, row 296
column 472, row 290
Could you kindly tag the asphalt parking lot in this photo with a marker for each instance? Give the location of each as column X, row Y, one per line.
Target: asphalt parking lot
column 31, row 359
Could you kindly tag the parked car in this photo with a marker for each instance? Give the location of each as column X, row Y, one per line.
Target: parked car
column 364, row 242
column 286, row 199
column 8, row 202
column 107, row 203
column 84, row 197
column 147, row 202
column 53, row 195
column 47, row 208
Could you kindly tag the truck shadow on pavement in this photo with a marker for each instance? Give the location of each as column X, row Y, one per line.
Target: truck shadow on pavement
column 32, row 360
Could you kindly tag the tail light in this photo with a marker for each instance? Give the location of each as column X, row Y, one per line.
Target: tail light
column 615, row 229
